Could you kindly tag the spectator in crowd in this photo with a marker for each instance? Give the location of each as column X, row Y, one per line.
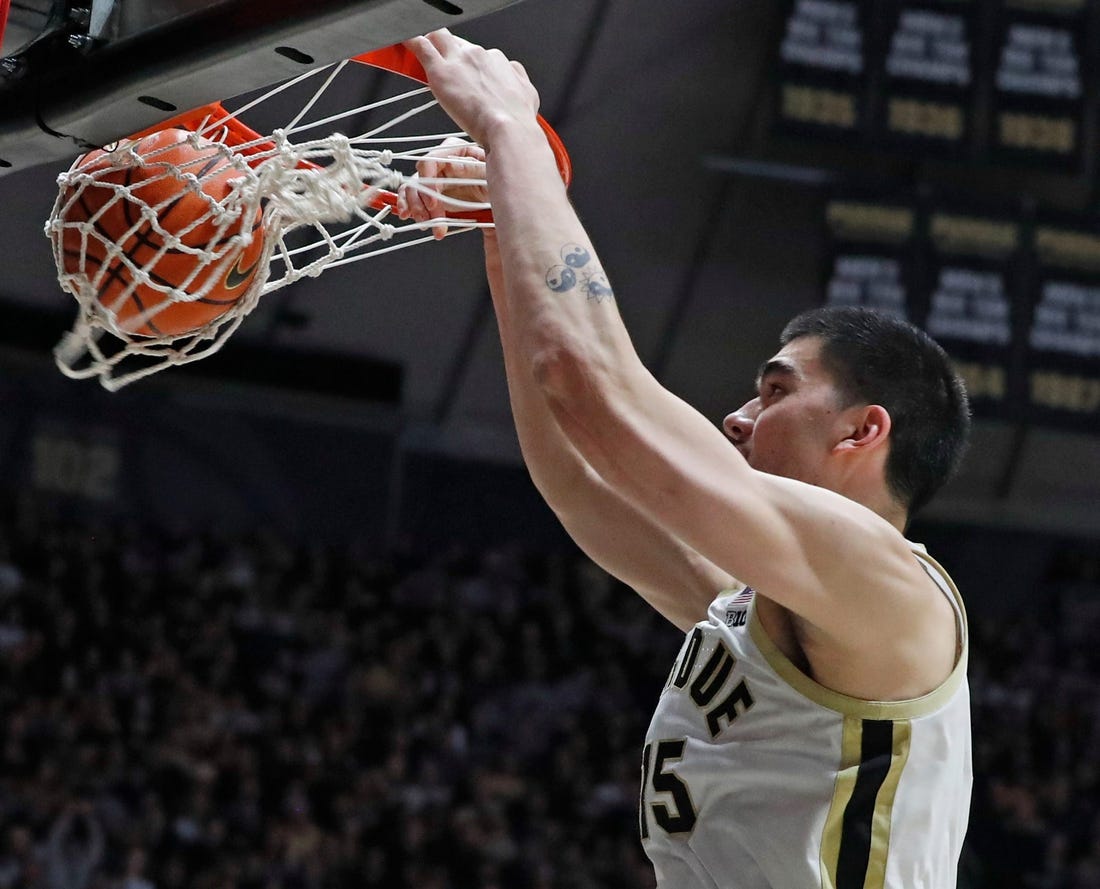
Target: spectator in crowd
column 74, row 848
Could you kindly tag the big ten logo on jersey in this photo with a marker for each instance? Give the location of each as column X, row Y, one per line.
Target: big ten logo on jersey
column 706, row 680
column 737, row 609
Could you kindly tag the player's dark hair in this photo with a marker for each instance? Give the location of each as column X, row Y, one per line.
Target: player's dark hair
column 875, row 358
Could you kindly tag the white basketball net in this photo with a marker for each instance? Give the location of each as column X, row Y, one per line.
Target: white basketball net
column 325, row 204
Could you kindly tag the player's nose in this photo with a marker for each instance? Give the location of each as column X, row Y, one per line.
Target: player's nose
column 739, row 425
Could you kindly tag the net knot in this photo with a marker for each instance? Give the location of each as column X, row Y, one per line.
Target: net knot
column 225, row 214
column 124, row 154
column 381, row 177
column 340, row 146
column 283, row 146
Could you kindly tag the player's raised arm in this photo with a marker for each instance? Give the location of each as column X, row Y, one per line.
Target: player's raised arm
column 668, row 574
column 836, row 560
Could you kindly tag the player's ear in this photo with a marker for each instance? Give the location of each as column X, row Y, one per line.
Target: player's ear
column 867, row 428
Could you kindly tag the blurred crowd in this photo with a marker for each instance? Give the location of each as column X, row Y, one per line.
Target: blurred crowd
column 1035, row 684
column 192, row 709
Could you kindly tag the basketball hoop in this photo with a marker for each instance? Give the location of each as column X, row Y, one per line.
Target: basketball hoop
column 159, row 285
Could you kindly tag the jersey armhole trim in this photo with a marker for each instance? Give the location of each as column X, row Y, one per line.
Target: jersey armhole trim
column 847, row 705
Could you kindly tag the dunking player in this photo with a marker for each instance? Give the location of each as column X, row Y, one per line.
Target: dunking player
column 814, row 731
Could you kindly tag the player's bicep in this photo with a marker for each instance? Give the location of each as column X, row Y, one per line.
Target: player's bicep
column 824, row 557
column 802, row 546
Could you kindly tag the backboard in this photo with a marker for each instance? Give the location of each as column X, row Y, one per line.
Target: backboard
column 107, row 20
column 81, row 73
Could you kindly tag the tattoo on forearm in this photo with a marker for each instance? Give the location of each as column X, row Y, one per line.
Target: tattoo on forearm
column 578, row 269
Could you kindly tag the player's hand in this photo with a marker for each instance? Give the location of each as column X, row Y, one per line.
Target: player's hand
column 481, row 89
column 454, row 159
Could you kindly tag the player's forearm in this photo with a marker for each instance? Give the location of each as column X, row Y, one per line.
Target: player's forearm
column 560, row 304
column 557, row 469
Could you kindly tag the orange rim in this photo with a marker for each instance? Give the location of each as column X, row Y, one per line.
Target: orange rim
column 396, row 59
column 400, row 61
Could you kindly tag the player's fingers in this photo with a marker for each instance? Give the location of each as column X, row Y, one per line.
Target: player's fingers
column 452, row 146
column 427, row 203
column 419, row 208
column 460, row 161
column 457, row 153
column 427, row 167
column 453, row 142
column 455, row 169
column 424, row 50
column 403, row 207
column 404, row 204
column 521, row 72
column 445, row 42
column 410, row 204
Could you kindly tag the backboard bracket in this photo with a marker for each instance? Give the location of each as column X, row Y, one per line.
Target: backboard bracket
column 60, row 97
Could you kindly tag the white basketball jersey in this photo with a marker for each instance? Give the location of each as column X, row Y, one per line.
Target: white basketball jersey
column 756, row 777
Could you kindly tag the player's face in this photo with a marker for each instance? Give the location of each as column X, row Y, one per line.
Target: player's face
column 793, row 423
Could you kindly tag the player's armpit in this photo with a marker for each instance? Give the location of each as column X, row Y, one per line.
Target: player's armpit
column 673, row 578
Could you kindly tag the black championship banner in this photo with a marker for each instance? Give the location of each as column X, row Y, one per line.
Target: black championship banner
column 927, row 81
column 972, row 271
column 823, row 68
column 1063, row 340
column 1040, row 65
column 872, row 255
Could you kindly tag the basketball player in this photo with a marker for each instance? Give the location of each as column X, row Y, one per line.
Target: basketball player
column 814, row 730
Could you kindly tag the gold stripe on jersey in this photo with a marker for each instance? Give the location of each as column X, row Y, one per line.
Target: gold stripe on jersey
column 845, row 833
column 850, row 750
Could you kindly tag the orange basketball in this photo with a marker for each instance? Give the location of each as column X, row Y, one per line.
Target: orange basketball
column 181, row 211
